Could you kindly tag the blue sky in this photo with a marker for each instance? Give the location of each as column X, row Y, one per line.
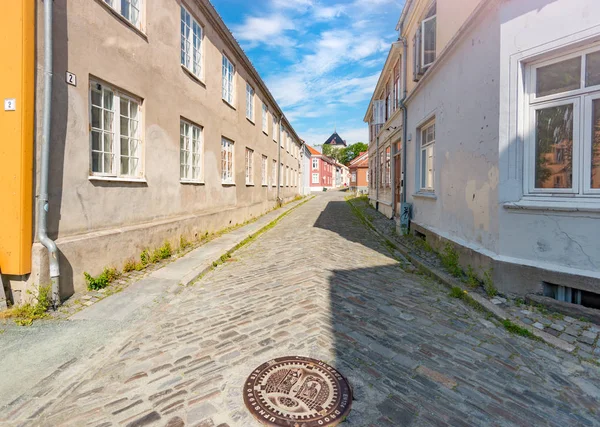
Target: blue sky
column 320, row 58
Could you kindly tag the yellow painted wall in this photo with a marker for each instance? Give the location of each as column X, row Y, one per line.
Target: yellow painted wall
column 17, row 49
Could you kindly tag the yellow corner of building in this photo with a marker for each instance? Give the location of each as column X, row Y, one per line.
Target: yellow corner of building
column 17, row 85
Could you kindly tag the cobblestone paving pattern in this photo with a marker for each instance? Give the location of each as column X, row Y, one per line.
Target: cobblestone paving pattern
column 319, row 285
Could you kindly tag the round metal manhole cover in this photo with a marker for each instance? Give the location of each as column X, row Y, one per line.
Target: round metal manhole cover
column 297, row 392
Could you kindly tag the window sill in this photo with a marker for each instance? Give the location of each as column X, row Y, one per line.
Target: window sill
column 554, row 205
column 228, row 184
column 229, row 104
column 117, row 179
column 265, row 185
column 249, row 184
column 424, row 195
column 121, row 18
column 181, row 181
column 251, row 121
column 266, row 133
column 193, row 76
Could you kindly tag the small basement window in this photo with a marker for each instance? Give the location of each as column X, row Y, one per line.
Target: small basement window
column 420, row 235
column 572, row 295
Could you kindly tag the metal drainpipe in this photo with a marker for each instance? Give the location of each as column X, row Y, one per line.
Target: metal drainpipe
column 45, row 160
column 404, row 118
column 378, row 177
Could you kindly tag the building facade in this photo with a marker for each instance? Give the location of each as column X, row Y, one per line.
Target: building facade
column 359, row 173
column 501, row 138
column 306, row 159
column 161, row 128
column 322, row 171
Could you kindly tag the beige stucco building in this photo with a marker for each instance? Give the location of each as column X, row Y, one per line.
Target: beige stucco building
column 161, row 128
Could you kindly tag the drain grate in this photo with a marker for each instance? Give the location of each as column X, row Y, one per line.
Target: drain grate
column 297, row 392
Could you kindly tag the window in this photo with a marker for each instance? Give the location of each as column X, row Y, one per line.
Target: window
column 280, row 174
column 265, row 119
column 287, row 176
column 191, row 43
column 249, row 169
column 396, row 87
column 315, row 163
column 563, row 126
column 228, row 82
column 315, row 178
column 274, row 173
column 249, row 103
column 381, row 170
column 282, row 136
column 115, row 133
column 129, row 9
column 388, row 169
column 275, row 128
column 427, row 156
column 424, row 49
column 190, row 145
column 353, row 178
column 226, row 161
column 263, row 171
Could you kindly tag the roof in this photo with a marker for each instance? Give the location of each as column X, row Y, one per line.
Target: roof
column 362, row 161
column 334, row 140
column 313, row 151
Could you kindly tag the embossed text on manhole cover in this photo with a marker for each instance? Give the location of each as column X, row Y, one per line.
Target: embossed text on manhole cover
column 297, row 392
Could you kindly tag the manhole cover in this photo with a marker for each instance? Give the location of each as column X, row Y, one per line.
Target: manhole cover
column 297, row 392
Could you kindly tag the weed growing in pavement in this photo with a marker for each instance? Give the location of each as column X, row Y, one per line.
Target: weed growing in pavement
column 130, row 265
column 488, row 284
column 519, row 302
column 449, row 258
column 517, row 330
column 145, row 257
column 108, row 275
column 472, row 279
column 25, row 314
column 184, row 243
column 456, row 292
column 164, row 252
column 541, row 309
column 557, row 316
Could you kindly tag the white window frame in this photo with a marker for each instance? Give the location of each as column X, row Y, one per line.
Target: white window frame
column 227, row 161
column 315, row 178
column 115, row 150
column 191, row 55
column 249, row 166
column 228, row 81
column 282, row 136
column 263, row 171
column 315, row 163
column 275, row 128
column 581, row 99
column 265, row 119
column 423, row 64
column 116, row 6
column 427, row 149
column 274, row 173
column 250, row 102
column 193, row 135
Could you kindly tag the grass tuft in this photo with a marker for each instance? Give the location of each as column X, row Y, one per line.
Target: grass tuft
column 25, row 314
column 517, row 330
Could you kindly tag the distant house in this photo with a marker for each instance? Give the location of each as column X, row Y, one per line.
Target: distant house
column 359, row 173
column 306, row 156
column 335, row 141
column 322, row 171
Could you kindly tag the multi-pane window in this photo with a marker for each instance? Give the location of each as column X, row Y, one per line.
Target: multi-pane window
column 249, row 103
column 190, row 145
column 191, row 43
column 388, row 168
column 280, row 174
column 282, row 136
column 315, row 178
column 116, row 146
column 263, row 171
column 424, row 44
column 427, row 156
column 226, row 161
column 275, row 128
column 315, row 163
column 228, row 82
column 274, row 173
column 265, row 119
column 129, row 9
column 563, row 128
column 249, row 169
column 287, row 176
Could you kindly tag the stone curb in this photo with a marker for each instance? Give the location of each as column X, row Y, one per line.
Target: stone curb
column 451, row 282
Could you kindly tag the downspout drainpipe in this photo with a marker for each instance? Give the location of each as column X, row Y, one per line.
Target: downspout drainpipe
column 45, row 158
column 378, row 177
column 404, row 118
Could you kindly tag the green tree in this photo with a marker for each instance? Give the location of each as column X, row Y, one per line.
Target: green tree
column 354, row 150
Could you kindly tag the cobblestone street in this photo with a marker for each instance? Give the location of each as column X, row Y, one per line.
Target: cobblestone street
column 319, row 284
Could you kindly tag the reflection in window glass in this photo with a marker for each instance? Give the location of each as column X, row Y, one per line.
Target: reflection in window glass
column 558, row 77
column 592, row 69
column 554, row 147
column 595, row 144
column 429, row 37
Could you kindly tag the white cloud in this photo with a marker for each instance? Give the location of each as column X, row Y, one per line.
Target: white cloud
column 268, row 30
